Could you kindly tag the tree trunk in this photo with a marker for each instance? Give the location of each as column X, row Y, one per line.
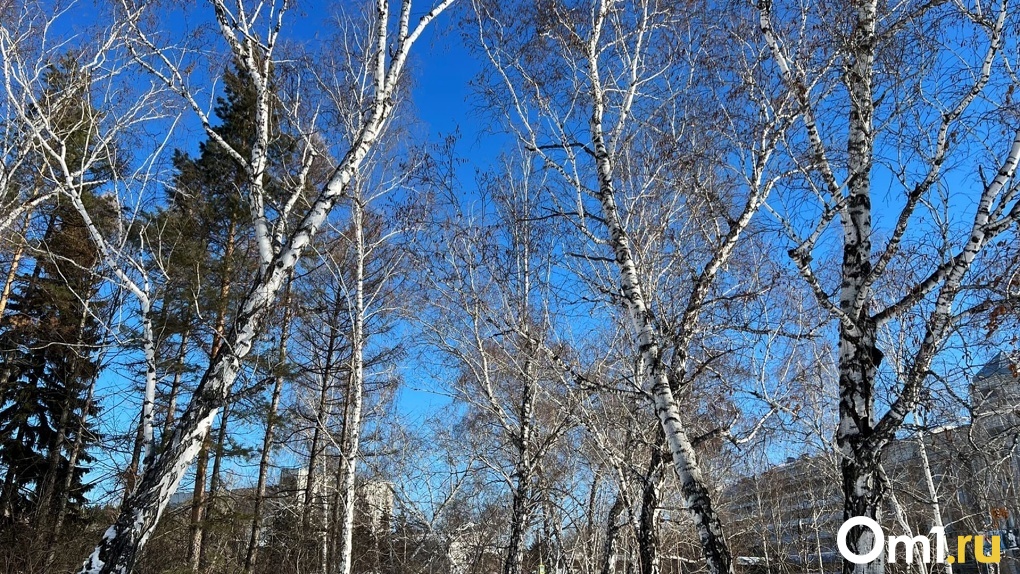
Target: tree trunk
column 175, row 385
column 608, row 565
column 519, row 515
column 863, row 489
column 198, row 504
column 858, row 356
column 12, row 274
column 648, row 522
column 199, row 501
column 131, row 474
column 692, row 484
column 7, row 490
column 352, row 418
column 47, row 488
column 523, row 473
column 933, row 495
column 119, row 546
column 214, row 485
column 76, row 449
column 251, row 556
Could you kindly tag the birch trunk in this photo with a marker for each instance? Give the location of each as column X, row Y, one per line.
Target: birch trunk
column 608, row 565
column 861, row 438
column 933, row 495
column 118, row 549
column 524, row 466
column 859, row 357
column 356, row 389
column 648, row 523
column 12, row 274
column 519, row 515
column 654, row 372
column 692, row 483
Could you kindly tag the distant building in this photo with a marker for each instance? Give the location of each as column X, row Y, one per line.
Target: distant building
column 786, row 518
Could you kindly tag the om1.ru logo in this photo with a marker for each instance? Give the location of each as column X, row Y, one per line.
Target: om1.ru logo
column 985, row 553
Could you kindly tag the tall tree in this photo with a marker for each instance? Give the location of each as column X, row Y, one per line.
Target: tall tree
column 882, row 132
column 280, row 244
column 618, row 102
column 50, row 341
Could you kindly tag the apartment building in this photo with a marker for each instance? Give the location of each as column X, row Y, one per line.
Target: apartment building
column 963, row 477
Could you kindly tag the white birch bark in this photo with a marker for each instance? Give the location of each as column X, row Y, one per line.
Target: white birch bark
column 352, row 418
column 625, row 32
column 933, row 494
column 119, row 547
column 861, row 434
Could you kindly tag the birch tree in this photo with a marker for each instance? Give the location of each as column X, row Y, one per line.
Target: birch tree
column 880, row 120
column 491, row 316
column 251, row 35
column 594, row 98
column 878, row 115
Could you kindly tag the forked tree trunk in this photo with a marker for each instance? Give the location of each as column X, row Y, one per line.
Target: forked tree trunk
column 653, row 370
column 692, row 483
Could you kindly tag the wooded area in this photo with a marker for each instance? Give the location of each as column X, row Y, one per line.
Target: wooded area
column 738, row 271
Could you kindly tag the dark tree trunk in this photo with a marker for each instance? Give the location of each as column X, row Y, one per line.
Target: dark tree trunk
column 648, row 522
column 251, row 556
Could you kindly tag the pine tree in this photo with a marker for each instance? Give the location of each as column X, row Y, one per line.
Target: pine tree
column 212, row 252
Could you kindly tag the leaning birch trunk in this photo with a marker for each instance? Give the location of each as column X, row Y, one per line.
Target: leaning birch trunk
column 692, row 483
column 352, row 419
column 119, row 547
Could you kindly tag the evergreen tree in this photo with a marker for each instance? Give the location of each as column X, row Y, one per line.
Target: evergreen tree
column 50, row 336
column 204, row 220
